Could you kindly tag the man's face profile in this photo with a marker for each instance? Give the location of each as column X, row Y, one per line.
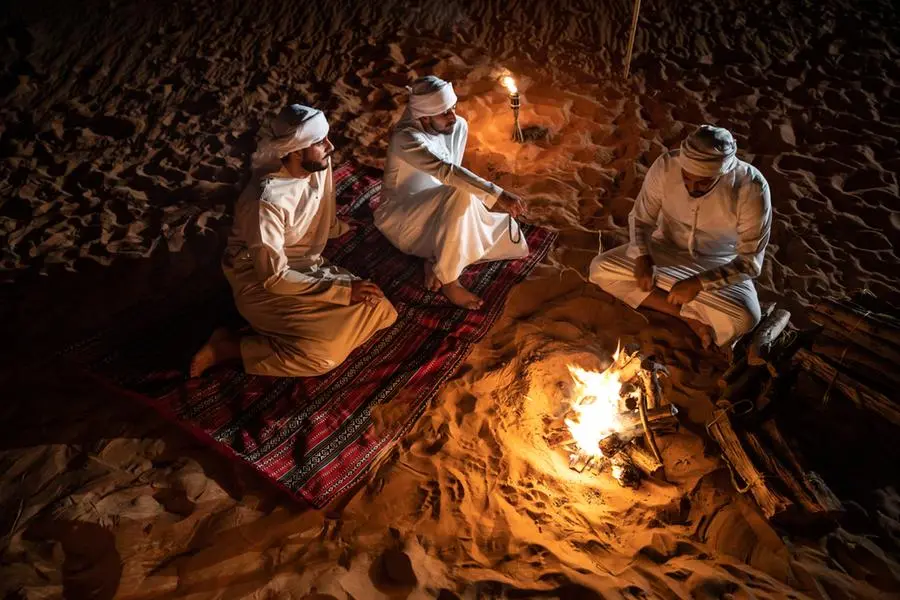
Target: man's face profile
column 315, row 158
column 442, row 123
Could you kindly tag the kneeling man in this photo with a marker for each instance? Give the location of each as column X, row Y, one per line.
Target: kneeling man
column 433, row 206
column 698, row 235
column 307, row 314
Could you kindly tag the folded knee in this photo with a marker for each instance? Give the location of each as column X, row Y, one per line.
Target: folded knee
column 747, row 320
column 604, row 273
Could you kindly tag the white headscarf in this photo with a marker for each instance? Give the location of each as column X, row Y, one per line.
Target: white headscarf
column 296, row 127
column 429, row 96
column 708, row 152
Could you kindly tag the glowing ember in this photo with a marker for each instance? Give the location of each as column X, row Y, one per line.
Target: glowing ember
column 596, row 407
column 617, row 472
column 510, row 84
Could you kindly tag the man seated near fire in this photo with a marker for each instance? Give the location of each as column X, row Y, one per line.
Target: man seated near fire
column 307, row 315
column 433, row 206
column 698, row 234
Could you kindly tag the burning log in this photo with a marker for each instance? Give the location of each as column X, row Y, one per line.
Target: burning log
column 772, row 503
column 578, row 461
column 611, row 444
column 765, row 335
column 644, row 460
column 663, row 420
column 624, row 471
column 854, row 318
column 859, row 393
column 655, row 368
column 649, row 391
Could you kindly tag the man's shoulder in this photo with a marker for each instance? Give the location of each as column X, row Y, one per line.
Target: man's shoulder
column 282, row 192
column 665, row 161
column 748, row 176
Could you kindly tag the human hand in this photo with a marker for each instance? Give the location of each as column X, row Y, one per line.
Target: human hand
column 363, row 290
column 643, row 272
column 512, row 204
column 684, row 291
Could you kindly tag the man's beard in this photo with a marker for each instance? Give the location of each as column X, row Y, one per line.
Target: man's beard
column 697, row 193
column 435, row 131
column 314, row 167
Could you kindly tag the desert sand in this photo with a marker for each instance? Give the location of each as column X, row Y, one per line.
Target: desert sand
column 125, row 135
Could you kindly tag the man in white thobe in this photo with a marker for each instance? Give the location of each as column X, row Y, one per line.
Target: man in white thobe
column 307, row 315
column 433, row 206
column 698, row 235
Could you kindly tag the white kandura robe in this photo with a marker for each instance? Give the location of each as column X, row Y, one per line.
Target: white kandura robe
column 298, row 303
column 721, row 237
column 435, row 208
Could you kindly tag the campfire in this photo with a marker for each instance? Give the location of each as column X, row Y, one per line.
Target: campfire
column 615, row 415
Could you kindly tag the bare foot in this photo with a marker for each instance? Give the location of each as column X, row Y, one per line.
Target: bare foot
column 460, row 296
column 432, row 283
column 703, row 331
column 221, row 346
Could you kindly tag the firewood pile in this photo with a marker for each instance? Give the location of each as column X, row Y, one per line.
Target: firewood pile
column 852, row 350
column 631, row 452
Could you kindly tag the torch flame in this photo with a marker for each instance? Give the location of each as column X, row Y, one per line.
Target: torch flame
column 596, row 407
column 510, row 84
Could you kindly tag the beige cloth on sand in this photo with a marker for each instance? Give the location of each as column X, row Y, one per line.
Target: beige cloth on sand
column 297, row 303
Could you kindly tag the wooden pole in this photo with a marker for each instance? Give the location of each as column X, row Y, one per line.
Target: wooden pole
column 634, row 21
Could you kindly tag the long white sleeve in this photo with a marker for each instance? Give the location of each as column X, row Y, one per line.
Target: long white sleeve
column 754, row 226
column 271, row 263
column 412, row 147
column 642, row 220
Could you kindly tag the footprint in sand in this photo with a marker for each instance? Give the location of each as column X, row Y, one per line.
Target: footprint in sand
column 455, row 490
column 392, row 573
column 429, row 500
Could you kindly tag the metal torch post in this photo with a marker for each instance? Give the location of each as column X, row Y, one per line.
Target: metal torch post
column 514, row 105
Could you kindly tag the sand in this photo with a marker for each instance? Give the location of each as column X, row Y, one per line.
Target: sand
column 126, row 130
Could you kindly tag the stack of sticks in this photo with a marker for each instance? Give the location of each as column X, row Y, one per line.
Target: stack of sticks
column 632, row 453
column 853, row 351
column 857, row 353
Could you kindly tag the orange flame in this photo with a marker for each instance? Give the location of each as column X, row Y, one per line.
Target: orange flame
column 596, row 406
column 510, row 84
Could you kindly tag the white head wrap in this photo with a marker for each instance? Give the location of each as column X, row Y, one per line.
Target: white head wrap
column 429, row 96
column 708, row 152
column 296, row 127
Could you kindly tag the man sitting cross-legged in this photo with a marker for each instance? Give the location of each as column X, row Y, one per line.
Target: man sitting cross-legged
column 307, row 314
column 433, row 206
column 699, row 230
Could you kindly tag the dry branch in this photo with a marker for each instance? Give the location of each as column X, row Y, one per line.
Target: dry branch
column 859, row 393
column 868, row 365
column 855, row 318
column 886, row 350
column 644, row 460
column 772, row 503
column 765, row 335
